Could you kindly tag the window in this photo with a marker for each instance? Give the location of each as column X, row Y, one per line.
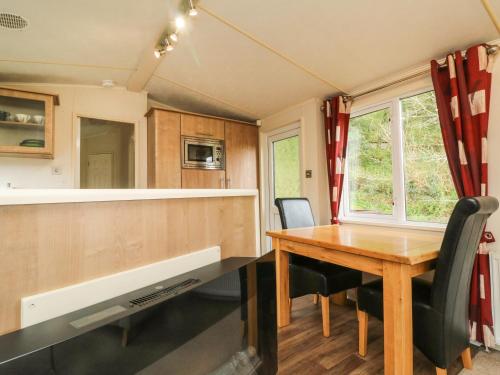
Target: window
column 370, row 163
column 286, row 167
column 396, row 164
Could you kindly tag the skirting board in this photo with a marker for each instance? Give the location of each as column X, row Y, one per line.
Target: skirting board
column 44, row 306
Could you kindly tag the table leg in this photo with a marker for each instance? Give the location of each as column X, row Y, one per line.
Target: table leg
column 282, row 284
column 398, row 332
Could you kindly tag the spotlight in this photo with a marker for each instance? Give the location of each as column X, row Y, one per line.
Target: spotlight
column 159, row 52
column 192, row 10
column 180, row 22
column 173, row 37
column 168, row 46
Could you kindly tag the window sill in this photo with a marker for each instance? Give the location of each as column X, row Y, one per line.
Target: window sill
column 410, row 225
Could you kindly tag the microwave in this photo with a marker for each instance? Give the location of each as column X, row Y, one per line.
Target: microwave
column 202, row 153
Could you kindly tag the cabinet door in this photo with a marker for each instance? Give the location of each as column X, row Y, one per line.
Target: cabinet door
column 242, row 144
column 26, row 123
column 202, row 179
column 202, row 127
column 164, row 150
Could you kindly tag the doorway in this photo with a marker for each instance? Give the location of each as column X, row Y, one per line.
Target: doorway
column 107, row 154
column 284, row 168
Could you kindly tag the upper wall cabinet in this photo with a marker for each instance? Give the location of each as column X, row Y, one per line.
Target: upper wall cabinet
column 27, row 123
column 202, row 127
column 242, row 145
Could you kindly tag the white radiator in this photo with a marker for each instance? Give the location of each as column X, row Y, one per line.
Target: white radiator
column 48, row 305
column 495, row 293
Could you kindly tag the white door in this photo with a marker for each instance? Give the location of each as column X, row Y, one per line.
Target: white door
column 100, row 171
column 283, row 173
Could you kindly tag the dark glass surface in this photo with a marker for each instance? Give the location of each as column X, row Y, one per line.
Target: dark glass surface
column 223, row 324
column 200, row 153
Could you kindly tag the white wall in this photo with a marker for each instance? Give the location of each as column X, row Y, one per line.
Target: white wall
column 115, row 104
column 309, row 115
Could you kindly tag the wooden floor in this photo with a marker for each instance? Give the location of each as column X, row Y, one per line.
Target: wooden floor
column 302, row 348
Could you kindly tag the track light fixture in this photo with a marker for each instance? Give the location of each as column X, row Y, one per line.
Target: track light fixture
column 180, row 22
column 168, row 46
column 192, row 10
column 171, row 34
column 173, row 37
column 159, row 52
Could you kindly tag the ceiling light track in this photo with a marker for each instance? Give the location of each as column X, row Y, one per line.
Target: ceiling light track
column 171, row 35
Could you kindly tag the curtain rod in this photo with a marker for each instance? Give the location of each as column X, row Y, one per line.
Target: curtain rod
column 490, row 50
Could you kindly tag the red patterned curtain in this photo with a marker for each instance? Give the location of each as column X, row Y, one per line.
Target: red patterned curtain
column 463, row 100
column 336, row 112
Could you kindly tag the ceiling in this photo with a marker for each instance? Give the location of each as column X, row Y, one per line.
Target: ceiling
column 245, row 59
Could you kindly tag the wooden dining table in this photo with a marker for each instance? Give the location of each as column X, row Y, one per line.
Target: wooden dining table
column 393, row 253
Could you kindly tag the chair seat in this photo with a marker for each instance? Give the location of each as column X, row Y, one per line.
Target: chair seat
column 310, row 276
column 428, row 327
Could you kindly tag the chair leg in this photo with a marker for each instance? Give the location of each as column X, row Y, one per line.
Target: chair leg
column 467, row 359
column 290, row 304
column 315, row 299
column 340, row 298
column 325, row 313
column 363, row 331
column 441, row 371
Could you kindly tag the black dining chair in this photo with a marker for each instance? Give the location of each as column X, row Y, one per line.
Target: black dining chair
column 311, row 276
column 440, row 307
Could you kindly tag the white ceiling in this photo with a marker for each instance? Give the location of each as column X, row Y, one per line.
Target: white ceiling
column 245, row 58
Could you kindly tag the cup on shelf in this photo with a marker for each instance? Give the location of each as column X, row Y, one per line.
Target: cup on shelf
column 21, row 117
column 38, row 119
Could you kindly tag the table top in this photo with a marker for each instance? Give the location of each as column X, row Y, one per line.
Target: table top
column 409, row 246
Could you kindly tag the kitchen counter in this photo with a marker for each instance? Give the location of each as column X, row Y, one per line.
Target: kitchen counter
column 41, row 196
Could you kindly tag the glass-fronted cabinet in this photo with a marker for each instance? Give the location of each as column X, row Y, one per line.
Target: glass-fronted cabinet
column 27, row 123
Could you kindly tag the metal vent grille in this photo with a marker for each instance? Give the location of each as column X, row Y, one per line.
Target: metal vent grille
column 171, row 290
column 12, row 21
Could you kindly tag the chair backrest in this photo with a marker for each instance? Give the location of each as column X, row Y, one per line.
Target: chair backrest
column 295, row 212
column 451, row 286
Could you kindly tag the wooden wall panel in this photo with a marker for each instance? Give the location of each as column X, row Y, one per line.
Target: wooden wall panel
column 203, row 179
column 49, row 246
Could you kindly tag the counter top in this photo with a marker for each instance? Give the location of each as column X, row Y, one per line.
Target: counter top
column 10, row 197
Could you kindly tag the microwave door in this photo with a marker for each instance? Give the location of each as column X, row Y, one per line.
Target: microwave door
column 200, row 154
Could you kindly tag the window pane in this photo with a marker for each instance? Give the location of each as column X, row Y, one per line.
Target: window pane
column 430, row 194
column 369, row 155
column 286, row 168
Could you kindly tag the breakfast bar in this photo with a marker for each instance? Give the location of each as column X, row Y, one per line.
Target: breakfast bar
column 54, row 239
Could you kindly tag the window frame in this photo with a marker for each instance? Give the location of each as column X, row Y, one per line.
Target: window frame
column 398, row 217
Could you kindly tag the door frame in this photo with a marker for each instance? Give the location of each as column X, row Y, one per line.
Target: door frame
column 76, row 145
column 290, row 129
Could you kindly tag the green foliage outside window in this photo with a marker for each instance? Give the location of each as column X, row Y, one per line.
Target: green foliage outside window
column 369, row 155
column 429, row 191
column 430, row 194
column 286, row 168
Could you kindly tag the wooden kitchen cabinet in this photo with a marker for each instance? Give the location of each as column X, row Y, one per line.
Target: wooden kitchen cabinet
column 202, row 127
column 27, row 123
column 242, row 150
column 203, row 179
column 164, row 149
